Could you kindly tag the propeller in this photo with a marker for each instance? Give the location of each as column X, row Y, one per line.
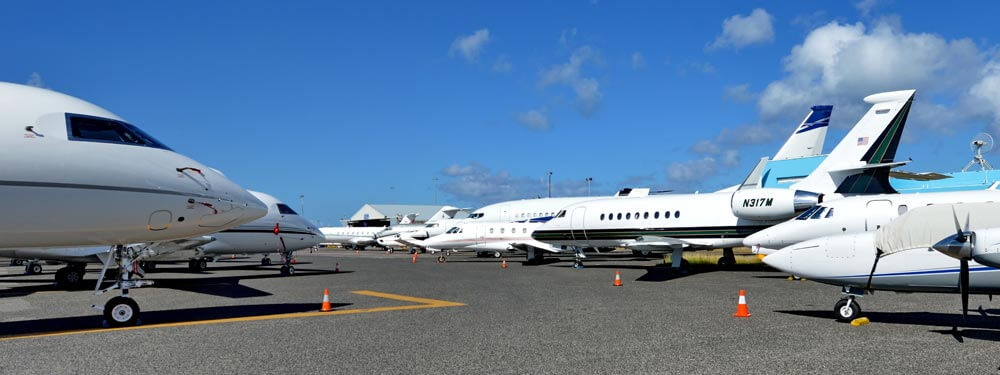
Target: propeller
column 959, row 246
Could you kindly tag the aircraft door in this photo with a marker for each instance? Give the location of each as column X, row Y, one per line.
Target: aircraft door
column 879, row 212
column 576, row 223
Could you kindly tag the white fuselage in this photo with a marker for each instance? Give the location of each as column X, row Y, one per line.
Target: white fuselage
column 66, row 183
column 539, row 209
column 857, row 214
column 481, row 237
column 353, row 236
column 701, row 220
column 847, row 260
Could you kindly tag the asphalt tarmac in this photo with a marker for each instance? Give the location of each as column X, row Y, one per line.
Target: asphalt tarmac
column 469, row 315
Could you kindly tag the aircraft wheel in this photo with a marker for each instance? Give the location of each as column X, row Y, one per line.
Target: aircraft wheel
column 33, row 269
column 497, row 254
column 413, row 251
column 148, row 266
column 193, row 264
column 69, row 277
column 846, row 310
column 285, row 271
column 202, row 265
column 265, row 262
column 121, row 312
column 291, row 270
column 725, row 262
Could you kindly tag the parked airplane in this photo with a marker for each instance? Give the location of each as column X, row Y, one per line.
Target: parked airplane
column 927, row 249
column 486, row 238
column 350, row 237
column 76, row 174
column 677, row 222
column 866, row 213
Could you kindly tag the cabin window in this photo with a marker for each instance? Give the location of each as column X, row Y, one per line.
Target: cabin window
column 637, row 216
column 902, row 209
column 628, row 215
column 491, row 230
column 619, row 216
column 285, row 210
column 656, row 215
column 677, row 214
column 524, row 230
column 96, row 129
column 602, row 217
column 501, row 230
column 645, row 215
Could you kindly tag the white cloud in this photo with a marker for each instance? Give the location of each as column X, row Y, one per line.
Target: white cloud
column 638, row 62
column 35, row 79
column 587, row 89
column 739, row 93
column 840, row 64
column 535, row 119
column 502, row 65
column 740, row 31
column 865, row 6
column 475, row 183
column 687, row 173
column 567, row 36
column 470, row 46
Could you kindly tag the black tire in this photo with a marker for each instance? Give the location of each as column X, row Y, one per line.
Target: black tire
column 284, row 270
column 846, row 312
column 413, row 251
column 202, row 264
column 33, row 269
column 193, row 264
column 291, row 271
column 497, row 254
column 265, row 262
column 726, row 262
column 121, row 312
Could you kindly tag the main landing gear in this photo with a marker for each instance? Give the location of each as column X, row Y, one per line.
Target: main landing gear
column 122, row 310
column 265, row 261
column 32, row 268
column 287, row 269
column 71, row 276
column 728, row 259
column 198, row 265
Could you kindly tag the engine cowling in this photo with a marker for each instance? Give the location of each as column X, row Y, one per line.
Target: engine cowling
column 986, row 247
column 772, row 204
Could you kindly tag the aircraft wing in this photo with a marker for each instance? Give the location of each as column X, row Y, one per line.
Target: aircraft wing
column 167, row 247
column 524, row 244
column 926, row 176
column 411, row 241
column 657, row 243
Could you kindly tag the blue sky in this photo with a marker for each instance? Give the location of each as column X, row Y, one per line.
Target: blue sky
column 463, row 103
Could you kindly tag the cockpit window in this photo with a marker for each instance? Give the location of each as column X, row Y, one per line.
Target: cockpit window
column 829, row 213
column 561, row 213
column 476, row 215
column 285, row 210
column 807, row 213
column 96, row 129
column 452, row 230
column 819, row 213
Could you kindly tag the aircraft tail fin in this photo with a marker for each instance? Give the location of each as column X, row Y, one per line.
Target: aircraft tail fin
column 408, row 219
column 860, row 163
column 809, row 136
column 446, row 212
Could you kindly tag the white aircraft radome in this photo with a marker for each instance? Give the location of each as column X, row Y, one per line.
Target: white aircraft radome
column 76, row 174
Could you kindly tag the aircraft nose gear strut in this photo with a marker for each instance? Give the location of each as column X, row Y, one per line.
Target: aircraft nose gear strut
column 122, row 310
column 287, row 269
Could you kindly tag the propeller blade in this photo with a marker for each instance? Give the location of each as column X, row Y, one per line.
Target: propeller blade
column 960, row 235
column 963, row 280
column 878, row 255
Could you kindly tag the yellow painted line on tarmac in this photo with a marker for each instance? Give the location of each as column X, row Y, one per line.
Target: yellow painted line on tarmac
column 420, row 303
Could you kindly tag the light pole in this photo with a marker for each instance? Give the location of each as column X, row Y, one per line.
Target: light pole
column 550, row 184
column 589, row 180
column 302, row 199
column 435, row 187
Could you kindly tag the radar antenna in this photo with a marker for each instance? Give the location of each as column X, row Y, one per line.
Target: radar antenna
column 981, row 143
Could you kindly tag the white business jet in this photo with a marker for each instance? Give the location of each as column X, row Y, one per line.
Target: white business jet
column 941, row 248
column 486, row 238
column 76, row 174
column 677, row 222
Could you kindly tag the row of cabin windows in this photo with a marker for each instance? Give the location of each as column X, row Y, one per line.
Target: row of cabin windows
column 533, row 214
column 512, row 230
column 644, row 215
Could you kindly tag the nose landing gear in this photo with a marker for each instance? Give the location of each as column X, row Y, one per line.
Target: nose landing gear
column 122, row 310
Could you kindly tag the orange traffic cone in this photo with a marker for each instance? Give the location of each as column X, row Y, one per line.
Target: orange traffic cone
column 504, row 264
column 326, row 301
column 414, row 257
column 741, row 309
column 335, row 270
column 618, row 278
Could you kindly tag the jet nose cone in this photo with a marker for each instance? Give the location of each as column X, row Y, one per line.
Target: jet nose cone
column 255, row 209
column 781, row 260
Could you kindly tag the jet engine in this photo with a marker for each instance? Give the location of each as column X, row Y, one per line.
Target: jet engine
column 772, row 204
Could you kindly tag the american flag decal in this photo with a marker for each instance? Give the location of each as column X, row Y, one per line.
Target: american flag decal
column 862, row 141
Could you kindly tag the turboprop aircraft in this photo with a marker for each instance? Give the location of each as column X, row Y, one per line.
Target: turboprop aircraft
column 76, row 174
column 940, row 248
column 350, row 237
column 677, row 222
